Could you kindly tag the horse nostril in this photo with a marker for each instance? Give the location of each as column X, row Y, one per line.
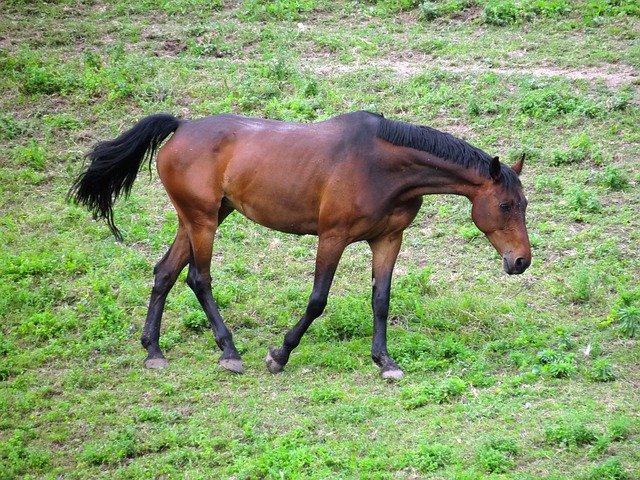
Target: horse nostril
column 521, row 264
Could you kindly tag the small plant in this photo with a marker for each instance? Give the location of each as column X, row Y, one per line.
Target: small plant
column 429, row 458
column 547, row 356
column 583, row 201
column 32, row 155
column 562, row 369
column 470, row 232
column 195, row 320
column 506, row 12
column 429, row 11
column 10, row 127
column 119, row 446
column 555, row 364
column 602, row 371
column 348, row 318
column 497, row 456
column 614, row 178
column 620, row 429
column 441, row 392
column 570, row 433
column 629, row 319
column 609, row 470
column 170, row 339
column 582, row 285
column 326, row 395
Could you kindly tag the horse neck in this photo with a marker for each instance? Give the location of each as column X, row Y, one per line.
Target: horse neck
column 425, row 174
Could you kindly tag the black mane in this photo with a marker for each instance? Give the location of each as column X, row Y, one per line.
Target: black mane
column 443, row 145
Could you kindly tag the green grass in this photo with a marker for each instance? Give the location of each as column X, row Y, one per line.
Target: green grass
column 521, row 378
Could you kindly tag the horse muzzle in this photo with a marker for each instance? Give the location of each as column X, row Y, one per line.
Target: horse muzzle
column 515, row 265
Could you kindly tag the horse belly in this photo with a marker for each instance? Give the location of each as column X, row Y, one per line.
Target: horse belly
column 283, row 206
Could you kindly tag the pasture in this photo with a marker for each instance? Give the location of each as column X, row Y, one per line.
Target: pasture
column 534, row 376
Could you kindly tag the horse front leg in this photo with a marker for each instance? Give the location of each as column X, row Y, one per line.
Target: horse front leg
column 329, row 253
column 385, row 252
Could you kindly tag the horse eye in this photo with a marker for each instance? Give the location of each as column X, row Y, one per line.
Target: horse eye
column 505, row 207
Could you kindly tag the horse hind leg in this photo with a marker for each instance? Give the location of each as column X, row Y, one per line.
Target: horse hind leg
column 165, row 274
column 199, row 280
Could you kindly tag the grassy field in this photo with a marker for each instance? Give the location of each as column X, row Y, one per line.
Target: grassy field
column 528, row 377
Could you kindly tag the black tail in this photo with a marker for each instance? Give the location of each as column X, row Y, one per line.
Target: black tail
column 115, row 164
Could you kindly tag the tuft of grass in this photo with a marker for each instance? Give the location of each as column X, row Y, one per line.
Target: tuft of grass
column 118, row 446
column 570, row 432
column 31, row 155
column 447, row 390
column 614, row 178
column 430, row 457
column 611, row 469
column 498, row 455
column 509, row 12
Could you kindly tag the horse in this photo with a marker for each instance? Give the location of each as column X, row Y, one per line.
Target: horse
column 355, row 177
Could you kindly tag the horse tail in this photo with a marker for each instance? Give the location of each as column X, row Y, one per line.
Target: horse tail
column 115, row 164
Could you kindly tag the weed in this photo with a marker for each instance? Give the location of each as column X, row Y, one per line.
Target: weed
column 620, row 429
column 326, row 395
column 582, row 285
column 62, row 121
column 629, row 318
column 428, row 458
column 170, row 339
column 195, row 320
column 278, row 9
column 554, row 364
column 497, row 456
column 348, row 317
column 602, row 371
column 596, row 9
column 429, row 10
column 152, row 414
column 609, row 470
column 17, row 457
column 548, row 102
column 570, row 432
column 582, row 201
column 10, row 128
column 614, row 178
column 33, row 155
column 444, row 391
column 120, row 445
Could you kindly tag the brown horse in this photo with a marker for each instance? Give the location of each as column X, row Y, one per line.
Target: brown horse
column 354, row 177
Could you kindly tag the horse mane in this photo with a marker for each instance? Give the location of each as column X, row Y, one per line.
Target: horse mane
column 443, row 145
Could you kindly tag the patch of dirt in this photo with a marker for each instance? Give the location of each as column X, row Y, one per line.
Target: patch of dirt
column 614, row 76
column 467, row 14
column 173, row 47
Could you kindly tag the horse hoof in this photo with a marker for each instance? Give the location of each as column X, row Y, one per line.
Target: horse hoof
column 272, row 365
column 392, row 374
column 232, row 364
column 156, row 363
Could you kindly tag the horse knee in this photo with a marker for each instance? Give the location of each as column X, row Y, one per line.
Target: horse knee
column 316, row 306
column 199, row 283
column 163, row 281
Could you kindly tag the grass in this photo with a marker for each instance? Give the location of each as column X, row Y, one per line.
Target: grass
column 527, row 377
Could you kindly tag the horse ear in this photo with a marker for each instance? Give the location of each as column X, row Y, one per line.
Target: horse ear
column 495, row 169
column 517, row 167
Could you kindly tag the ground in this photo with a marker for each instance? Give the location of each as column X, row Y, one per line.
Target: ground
column 526, row 377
